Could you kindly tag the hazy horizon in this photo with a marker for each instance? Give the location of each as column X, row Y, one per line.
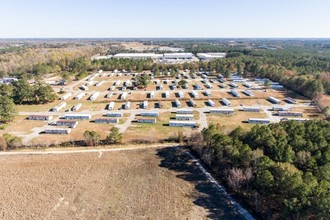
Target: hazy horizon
column 165, row 19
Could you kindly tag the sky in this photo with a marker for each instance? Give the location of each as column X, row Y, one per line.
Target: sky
column 164, row 18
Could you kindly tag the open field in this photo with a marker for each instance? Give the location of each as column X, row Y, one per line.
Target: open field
column 154, row 132
column 239, row 118
column 162, row 183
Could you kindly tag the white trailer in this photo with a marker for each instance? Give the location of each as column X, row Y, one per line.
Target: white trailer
column 57, row 131
column 70, row 124
column 115, row 114
column 279, row 108
column 173, row 123
column 150, row 114
column 274, row 100
column 180, row 94
column 194, row 94
column 77, row 117
column 210, row 102
column 290, row 100
column 192, row 102
column 226, row 111
column 259, row 120
column 94, row 96
column 234, row 93
column 111, row 105
column 144, row 104
column 288, row 113
column 184, row 111
column 208, row 85
column 127, row 105
column 207, row 93
column 247, row 85
column 226, row 102
column 79, row 96
column 251, row 109
column 123, row 95
column 233, row 85
column 83, row 87
column 106, row 120
column 109, row 95
column 99, row 83
column 66, row 96
column 177, row 103
column 248, row 93
column 167, row 94
column 40, row 117
column 184, row 117
column 58, row 107
column 147, row 120
column 152, row 94
column 76, row 107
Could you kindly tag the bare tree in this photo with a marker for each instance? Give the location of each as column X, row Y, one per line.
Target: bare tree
column 236, row 178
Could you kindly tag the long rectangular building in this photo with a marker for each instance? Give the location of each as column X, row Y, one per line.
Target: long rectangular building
column 106, row 120
column 150, row 114
column 57, row 131
column 173, row 123
column 146, row 120
column 226, row 111
column 70, row 124
column 78, row 117
column 184, row 117
column 259, row 120
column 40, row 117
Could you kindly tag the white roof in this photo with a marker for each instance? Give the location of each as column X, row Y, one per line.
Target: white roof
column 138, row 55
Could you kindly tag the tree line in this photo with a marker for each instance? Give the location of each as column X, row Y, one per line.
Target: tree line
column 22, row 92
column 282, row 170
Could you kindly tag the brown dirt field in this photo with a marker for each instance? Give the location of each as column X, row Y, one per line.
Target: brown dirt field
column 138, row 184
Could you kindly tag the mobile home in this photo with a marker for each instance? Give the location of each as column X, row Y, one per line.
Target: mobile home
column 226, row 102
column 147, row 120
column 194, row 94
column 106, row 120
column 66, row 96
column 77, row 117
column 111, row 106
column 274, row 100
column 226, row 111
column 173, row 123
column 248, row 93
column 70, row 124
column 150, row 114
column 40, row 117
column 184, row 117
column 177, row 103
column 210, row 102
column 79, row 96
column 58, row 107
column 251, row 109
column 57, row 131
column 114, row 114
column 234, row 93
column 76, row 107
column 94, row 96
column 259, row 120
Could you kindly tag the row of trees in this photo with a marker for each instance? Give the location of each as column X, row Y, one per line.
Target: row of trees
column 282, row 170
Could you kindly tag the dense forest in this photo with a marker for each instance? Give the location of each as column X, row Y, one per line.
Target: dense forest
column 281, row 170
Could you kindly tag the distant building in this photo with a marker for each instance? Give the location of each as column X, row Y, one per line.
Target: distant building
column 210, row 56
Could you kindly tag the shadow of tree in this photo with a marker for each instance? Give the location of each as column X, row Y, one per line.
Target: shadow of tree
column 208, row 195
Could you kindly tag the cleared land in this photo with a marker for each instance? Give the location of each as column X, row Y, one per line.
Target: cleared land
column 162, row 183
